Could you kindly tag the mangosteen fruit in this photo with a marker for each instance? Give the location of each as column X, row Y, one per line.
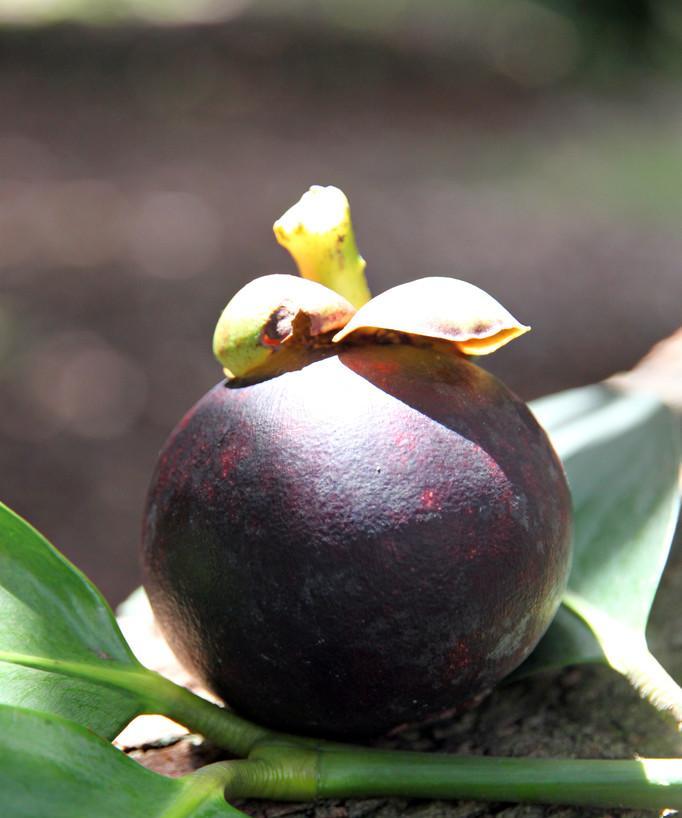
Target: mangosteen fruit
column 359, row 527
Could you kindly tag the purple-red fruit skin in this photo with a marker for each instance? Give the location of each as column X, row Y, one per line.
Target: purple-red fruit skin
column 377, row 536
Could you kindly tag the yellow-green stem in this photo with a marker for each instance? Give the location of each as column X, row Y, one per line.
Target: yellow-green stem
column 318, row 233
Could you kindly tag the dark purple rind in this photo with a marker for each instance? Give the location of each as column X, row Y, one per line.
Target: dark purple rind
column 377, row 536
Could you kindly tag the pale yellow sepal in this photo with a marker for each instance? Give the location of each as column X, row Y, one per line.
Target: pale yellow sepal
column 271, row 311
column 318, row 233
column 440, row 308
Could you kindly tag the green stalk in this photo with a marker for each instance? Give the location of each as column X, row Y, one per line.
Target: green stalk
column 202, row 788
column 209, row 720
column 627, row 652
column 642, row 783
column 226, row 729
column 292, row 768
column 158, row 695
column 274, row 771
column 290, row 773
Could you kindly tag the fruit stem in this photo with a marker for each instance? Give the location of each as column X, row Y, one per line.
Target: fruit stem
column 641, row 783
column 289, row 773
column 318, row 233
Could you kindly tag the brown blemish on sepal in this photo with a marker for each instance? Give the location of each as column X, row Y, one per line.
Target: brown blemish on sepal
column 437, row 309
column 272, row 311
column 279, row 326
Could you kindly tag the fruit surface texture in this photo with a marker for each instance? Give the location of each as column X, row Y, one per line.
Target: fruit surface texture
column 375, row 536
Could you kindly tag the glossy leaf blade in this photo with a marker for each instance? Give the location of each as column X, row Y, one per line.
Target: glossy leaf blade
column 622, row 463
column 621, row 455
column 560, row 409
column 56, row 769
column 49, row 611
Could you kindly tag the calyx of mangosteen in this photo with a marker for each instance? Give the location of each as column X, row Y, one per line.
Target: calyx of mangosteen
column 438, row 308
column 279, row 312
column 273, row 311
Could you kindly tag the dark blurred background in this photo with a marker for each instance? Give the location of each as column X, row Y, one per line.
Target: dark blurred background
column 146, row 147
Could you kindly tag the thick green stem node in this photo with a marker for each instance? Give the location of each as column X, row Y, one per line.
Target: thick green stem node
column 287, row 772
column 281, row 771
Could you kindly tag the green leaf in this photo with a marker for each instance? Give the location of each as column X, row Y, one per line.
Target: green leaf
column 621, row 454
column 51, row 614
column 622, row 462
column 62, row 652
column 53, row 768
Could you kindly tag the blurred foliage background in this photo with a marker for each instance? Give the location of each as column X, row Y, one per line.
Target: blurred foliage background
column 146, row 147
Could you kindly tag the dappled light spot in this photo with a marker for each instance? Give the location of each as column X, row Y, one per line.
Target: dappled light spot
column 86, row 387
column 74, row 223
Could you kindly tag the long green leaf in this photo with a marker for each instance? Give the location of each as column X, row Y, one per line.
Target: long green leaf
column 50, row 613
column 61, row 650
column 622, row 462
column 53, row 768
column 621, row 454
